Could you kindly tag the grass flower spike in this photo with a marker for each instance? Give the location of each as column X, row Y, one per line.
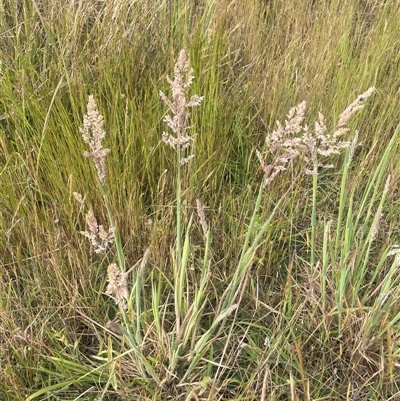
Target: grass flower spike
column 350, row 110
column 99, row 237
column 296, row 139
column 202, row 217
column 93, row 133
column 179, row 105
column 117, row 285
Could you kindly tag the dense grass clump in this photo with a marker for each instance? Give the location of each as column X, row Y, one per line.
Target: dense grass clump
column 214, row 223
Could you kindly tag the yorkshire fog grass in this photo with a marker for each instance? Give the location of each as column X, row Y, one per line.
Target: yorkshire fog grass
column 214, row 223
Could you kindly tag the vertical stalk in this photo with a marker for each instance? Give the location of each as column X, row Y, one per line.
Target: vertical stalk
column 177, row 273
column 342, row 201
column 314, row 213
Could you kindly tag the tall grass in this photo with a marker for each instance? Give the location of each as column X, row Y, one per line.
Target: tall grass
column 291, row 292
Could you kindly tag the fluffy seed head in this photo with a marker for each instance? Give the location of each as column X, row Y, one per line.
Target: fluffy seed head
column 350, row 110
column 117, row 285
column 99, row 237
column 202, row 217
column 295, row 139
column 93, row 133
column 179, row 106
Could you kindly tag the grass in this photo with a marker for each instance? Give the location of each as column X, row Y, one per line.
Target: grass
column 288, row 291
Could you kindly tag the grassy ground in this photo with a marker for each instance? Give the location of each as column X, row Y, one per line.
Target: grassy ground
column 291, row 293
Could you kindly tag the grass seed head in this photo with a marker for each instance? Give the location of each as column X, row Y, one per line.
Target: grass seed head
column 295, row 139
column 117, row 285
column 202, row 217
column 93, row 134
column 179, row 105
column 99, row 237
column 350, row 110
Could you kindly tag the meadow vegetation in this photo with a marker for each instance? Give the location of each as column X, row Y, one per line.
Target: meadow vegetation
column 199, row 200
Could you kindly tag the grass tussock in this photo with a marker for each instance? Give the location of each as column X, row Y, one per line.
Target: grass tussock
column 167, row 237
